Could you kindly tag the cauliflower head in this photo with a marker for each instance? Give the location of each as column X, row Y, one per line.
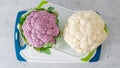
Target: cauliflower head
column 84, row 31
column 40, row 28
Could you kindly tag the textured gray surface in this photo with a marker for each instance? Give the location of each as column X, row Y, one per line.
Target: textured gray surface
column 109, row 10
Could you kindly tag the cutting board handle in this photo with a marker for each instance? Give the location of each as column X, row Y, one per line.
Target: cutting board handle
column 18, row 48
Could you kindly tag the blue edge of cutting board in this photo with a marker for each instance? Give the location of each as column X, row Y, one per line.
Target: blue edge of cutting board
column 18, row 48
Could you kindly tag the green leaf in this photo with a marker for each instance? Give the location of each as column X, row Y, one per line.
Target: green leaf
column 22, row 19
column 21, row 33
column 57, row 22
column 43, row 2
column 60, row 33
column 58, row 36
column 55, row 13
column 37, row 49
column 50, row 9
column 43, row 50
column 39, row 9
column 48, row 45
column 87, row 58
column 106, row 29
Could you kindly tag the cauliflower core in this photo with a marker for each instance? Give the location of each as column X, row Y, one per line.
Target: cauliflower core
column 40, row 28
column 84, row 31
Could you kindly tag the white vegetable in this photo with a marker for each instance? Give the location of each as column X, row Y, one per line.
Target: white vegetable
column 84, row 31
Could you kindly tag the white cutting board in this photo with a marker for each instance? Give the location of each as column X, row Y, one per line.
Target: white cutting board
column 62, row 53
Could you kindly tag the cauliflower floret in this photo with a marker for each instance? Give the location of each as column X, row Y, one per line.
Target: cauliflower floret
column 84, row 31
column 40, row 27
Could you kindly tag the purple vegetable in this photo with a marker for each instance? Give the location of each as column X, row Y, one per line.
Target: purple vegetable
column 40, row 27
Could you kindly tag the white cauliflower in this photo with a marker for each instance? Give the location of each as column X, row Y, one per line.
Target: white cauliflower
column 85, row 31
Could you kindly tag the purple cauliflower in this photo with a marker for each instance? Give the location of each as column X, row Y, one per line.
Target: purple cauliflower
column 40, row 27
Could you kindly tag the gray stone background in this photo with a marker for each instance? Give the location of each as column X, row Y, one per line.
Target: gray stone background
column 109, row 10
